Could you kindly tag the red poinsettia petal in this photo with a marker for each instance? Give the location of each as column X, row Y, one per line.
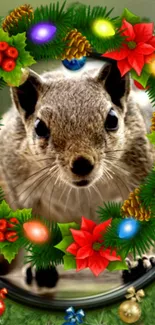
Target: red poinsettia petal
column 73, row 248
column 143, row 31
column 124, row 66
column 100, row 229
column 87, row 224
column 136, row 61
column 143, row 48
column 82, row 237
column 81, row 264
column 97, row 264
column 152, row 41
column 110, row 255
column 149, row 58
column 128, row 30
column 84, row 252
column 117, row 55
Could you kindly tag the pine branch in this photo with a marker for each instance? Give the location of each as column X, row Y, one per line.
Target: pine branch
column 110, row 210
column 147, row 192
column 151, row 90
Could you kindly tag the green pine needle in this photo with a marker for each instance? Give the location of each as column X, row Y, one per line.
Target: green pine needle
column 2, row 83
column 2, row 196
column 147, row 192
column 110, row 210
column 151, row 90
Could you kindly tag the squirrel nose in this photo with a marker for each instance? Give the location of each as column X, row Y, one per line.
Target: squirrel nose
column 82, row 166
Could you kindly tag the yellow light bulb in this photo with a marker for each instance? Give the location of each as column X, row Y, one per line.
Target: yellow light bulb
column 152, row 67
column 103, row 28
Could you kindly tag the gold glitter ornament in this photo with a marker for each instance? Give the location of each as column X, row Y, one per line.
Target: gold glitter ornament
column 78, row 45
column 17, row 14
column 132, row 207
column 129, row 312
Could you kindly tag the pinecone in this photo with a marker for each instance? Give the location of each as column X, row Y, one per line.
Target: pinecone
column 153, row 122
column 16, row 15
column 78, row 45
column 132, row 207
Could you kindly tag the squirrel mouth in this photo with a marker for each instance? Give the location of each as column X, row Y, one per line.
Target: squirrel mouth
column 82, row 183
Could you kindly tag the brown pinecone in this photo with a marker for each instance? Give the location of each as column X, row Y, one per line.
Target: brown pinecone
column 132, row 207
column 78, row 45
column 153, row 122
column 16, row 15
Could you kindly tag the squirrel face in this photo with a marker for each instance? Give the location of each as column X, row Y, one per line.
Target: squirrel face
column 75, row 125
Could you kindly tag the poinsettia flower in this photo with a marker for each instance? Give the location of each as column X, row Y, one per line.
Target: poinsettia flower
column 88, row 247
column 137, row 48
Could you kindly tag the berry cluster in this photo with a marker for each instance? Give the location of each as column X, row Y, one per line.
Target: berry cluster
column 8, row 56
column 5, row 233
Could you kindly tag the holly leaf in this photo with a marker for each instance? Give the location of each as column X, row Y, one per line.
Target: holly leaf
column 130, row 17
column 69, row 262
column 24, row 58
column 22, row 215
column 65, row 228
column 4, row 210
column 117, row 265
column 13, row 77
column 151, row 137
column 4, row 37
column 10, row 251
column 64, row 244
column 142, row 79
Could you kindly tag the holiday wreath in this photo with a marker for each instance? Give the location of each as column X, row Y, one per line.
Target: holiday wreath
column 72, row 34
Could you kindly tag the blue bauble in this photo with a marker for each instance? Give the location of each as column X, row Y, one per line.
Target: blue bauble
column 128, row 228
column 74, row 64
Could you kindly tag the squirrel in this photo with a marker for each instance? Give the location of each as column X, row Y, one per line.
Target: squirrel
column 69, row 144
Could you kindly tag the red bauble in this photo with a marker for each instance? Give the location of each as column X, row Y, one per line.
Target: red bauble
column 12, row 52
column 1, row 58
column 8, row 64
column 3, row 225
column 13, row 222
column 3, row 46
column 2, row 236
column 2, row 307
column 3, row 293
column 139, row 86
column 36, row 232
column 11, row 236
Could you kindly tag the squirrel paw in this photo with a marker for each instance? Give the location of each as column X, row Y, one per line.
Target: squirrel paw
column 137, row 268
column 43, row 278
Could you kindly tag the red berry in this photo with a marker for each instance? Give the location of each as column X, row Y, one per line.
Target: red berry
column 12, row 52
column 3, row 225
column 11, row 236
column 2, row 236
column 3, row 293
column 8, row 64
column 2, row 307
column 13, row 221
column 1, row 58
column 3, row 46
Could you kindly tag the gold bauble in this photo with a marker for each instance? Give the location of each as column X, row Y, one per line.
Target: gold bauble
column 129, row 312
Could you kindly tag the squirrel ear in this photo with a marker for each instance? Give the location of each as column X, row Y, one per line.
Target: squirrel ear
column 118, row 87
column 25, row 96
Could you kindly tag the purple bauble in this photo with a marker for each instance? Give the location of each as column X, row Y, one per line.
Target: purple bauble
column 42, row 32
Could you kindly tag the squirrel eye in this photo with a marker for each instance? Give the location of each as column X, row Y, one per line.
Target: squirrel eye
column 111, row 123
column 41, row 129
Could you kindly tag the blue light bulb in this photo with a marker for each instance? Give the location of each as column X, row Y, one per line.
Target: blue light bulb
column 128, row 228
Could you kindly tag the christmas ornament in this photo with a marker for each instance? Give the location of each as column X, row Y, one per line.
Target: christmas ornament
column 3, row 293
column 73, row 317
column 2, row 236
column 11, row 52
column 11, row 236
column 130, row 311
column 153, row 122
column 137, row 48
column 74, row 64
column 77, row 46
column 103, row 28
column 132, row 207
column 88, row 247
column 128, row 228
column 3, row 46
column 16, row 15
column 12, row 222
column 36, row 232
column 2, row 307
column 139, row 86
column 8, row 64
column 3, row 225
column 42, row 33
